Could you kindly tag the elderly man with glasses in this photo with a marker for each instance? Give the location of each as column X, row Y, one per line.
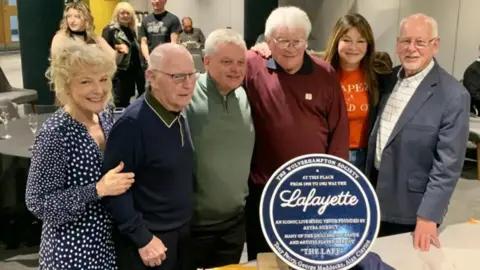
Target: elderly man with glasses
column 152, row 139
column 297, row 108
column 417, row 147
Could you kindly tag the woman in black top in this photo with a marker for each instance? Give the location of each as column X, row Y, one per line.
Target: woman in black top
column 123, row 31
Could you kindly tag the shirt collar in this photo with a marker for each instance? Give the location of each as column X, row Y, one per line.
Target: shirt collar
column 417, row 77
column 478, row 59
column 306, row 68
column 211, row 85
column 167, row 117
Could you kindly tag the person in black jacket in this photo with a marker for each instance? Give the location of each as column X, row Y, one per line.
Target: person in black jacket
column 130, row 72
column 471, row 81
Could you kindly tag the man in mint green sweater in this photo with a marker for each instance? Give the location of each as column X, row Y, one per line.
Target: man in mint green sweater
column 223, row 137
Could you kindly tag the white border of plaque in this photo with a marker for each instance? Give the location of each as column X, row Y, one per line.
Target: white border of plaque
column 319, row 212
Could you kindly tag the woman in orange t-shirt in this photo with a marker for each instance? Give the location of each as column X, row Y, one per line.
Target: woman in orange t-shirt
column 351, row 51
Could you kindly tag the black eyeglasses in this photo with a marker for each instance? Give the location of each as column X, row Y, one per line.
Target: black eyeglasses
column 181, row 77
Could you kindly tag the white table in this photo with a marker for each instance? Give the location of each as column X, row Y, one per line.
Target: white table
column 460, row 249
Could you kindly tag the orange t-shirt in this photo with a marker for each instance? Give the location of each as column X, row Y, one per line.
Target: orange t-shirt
column 356, row 99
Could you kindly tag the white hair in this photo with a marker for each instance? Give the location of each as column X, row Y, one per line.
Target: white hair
column 289, row 16
column 222, row 36
column 431, row 21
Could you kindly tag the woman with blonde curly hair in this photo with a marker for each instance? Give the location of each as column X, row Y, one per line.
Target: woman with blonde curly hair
column 65, row 182
column 77, row 24
column 122, row 30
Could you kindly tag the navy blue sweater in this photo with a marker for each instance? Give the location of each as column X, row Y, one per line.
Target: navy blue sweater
column 155, row 145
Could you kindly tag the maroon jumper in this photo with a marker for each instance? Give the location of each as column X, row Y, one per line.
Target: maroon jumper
column 294, row 114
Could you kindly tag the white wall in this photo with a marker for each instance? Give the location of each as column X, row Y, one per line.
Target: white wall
column 446, row 14
column 383, row 17
column 458, row 23
column 468, row 36
column 206, row 14
column 140, row 5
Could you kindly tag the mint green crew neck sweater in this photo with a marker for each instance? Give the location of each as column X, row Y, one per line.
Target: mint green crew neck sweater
column 223, row 137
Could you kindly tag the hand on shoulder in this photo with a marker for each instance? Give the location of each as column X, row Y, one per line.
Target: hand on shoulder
column 262, row 49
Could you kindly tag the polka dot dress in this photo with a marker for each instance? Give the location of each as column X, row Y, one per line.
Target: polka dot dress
column 65, row 167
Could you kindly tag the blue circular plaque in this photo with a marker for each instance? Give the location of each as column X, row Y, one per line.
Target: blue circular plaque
column 319, row 212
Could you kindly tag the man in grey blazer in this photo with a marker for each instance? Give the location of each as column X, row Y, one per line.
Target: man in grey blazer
column 418, row 143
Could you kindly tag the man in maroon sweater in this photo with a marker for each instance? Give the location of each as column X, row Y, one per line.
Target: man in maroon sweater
column 297, row 108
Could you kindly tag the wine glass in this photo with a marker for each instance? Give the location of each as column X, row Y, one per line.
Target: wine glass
column 4, row 116
column 32, row 123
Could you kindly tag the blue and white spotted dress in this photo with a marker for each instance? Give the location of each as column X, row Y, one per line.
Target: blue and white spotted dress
column 61, row 191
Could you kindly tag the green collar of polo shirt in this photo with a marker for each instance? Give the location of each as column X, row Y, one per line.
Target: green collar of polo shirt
column 211, row 85
column 167, row 117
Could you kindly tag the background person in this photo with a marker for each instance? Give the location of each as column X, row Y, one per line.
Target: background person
column 159, row 27
column 77, row 24
column 122, row 30
column 471, row 81
column 191, row 34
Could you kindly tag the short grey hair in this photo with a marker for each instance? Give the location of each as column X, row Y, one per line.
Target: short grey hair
column 289, row 16
column 431, row 21
column 221, row 36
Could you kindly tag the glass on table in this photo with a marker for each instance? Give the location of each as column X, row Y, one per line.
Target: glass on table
column 4, row 117
column 32, row 121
